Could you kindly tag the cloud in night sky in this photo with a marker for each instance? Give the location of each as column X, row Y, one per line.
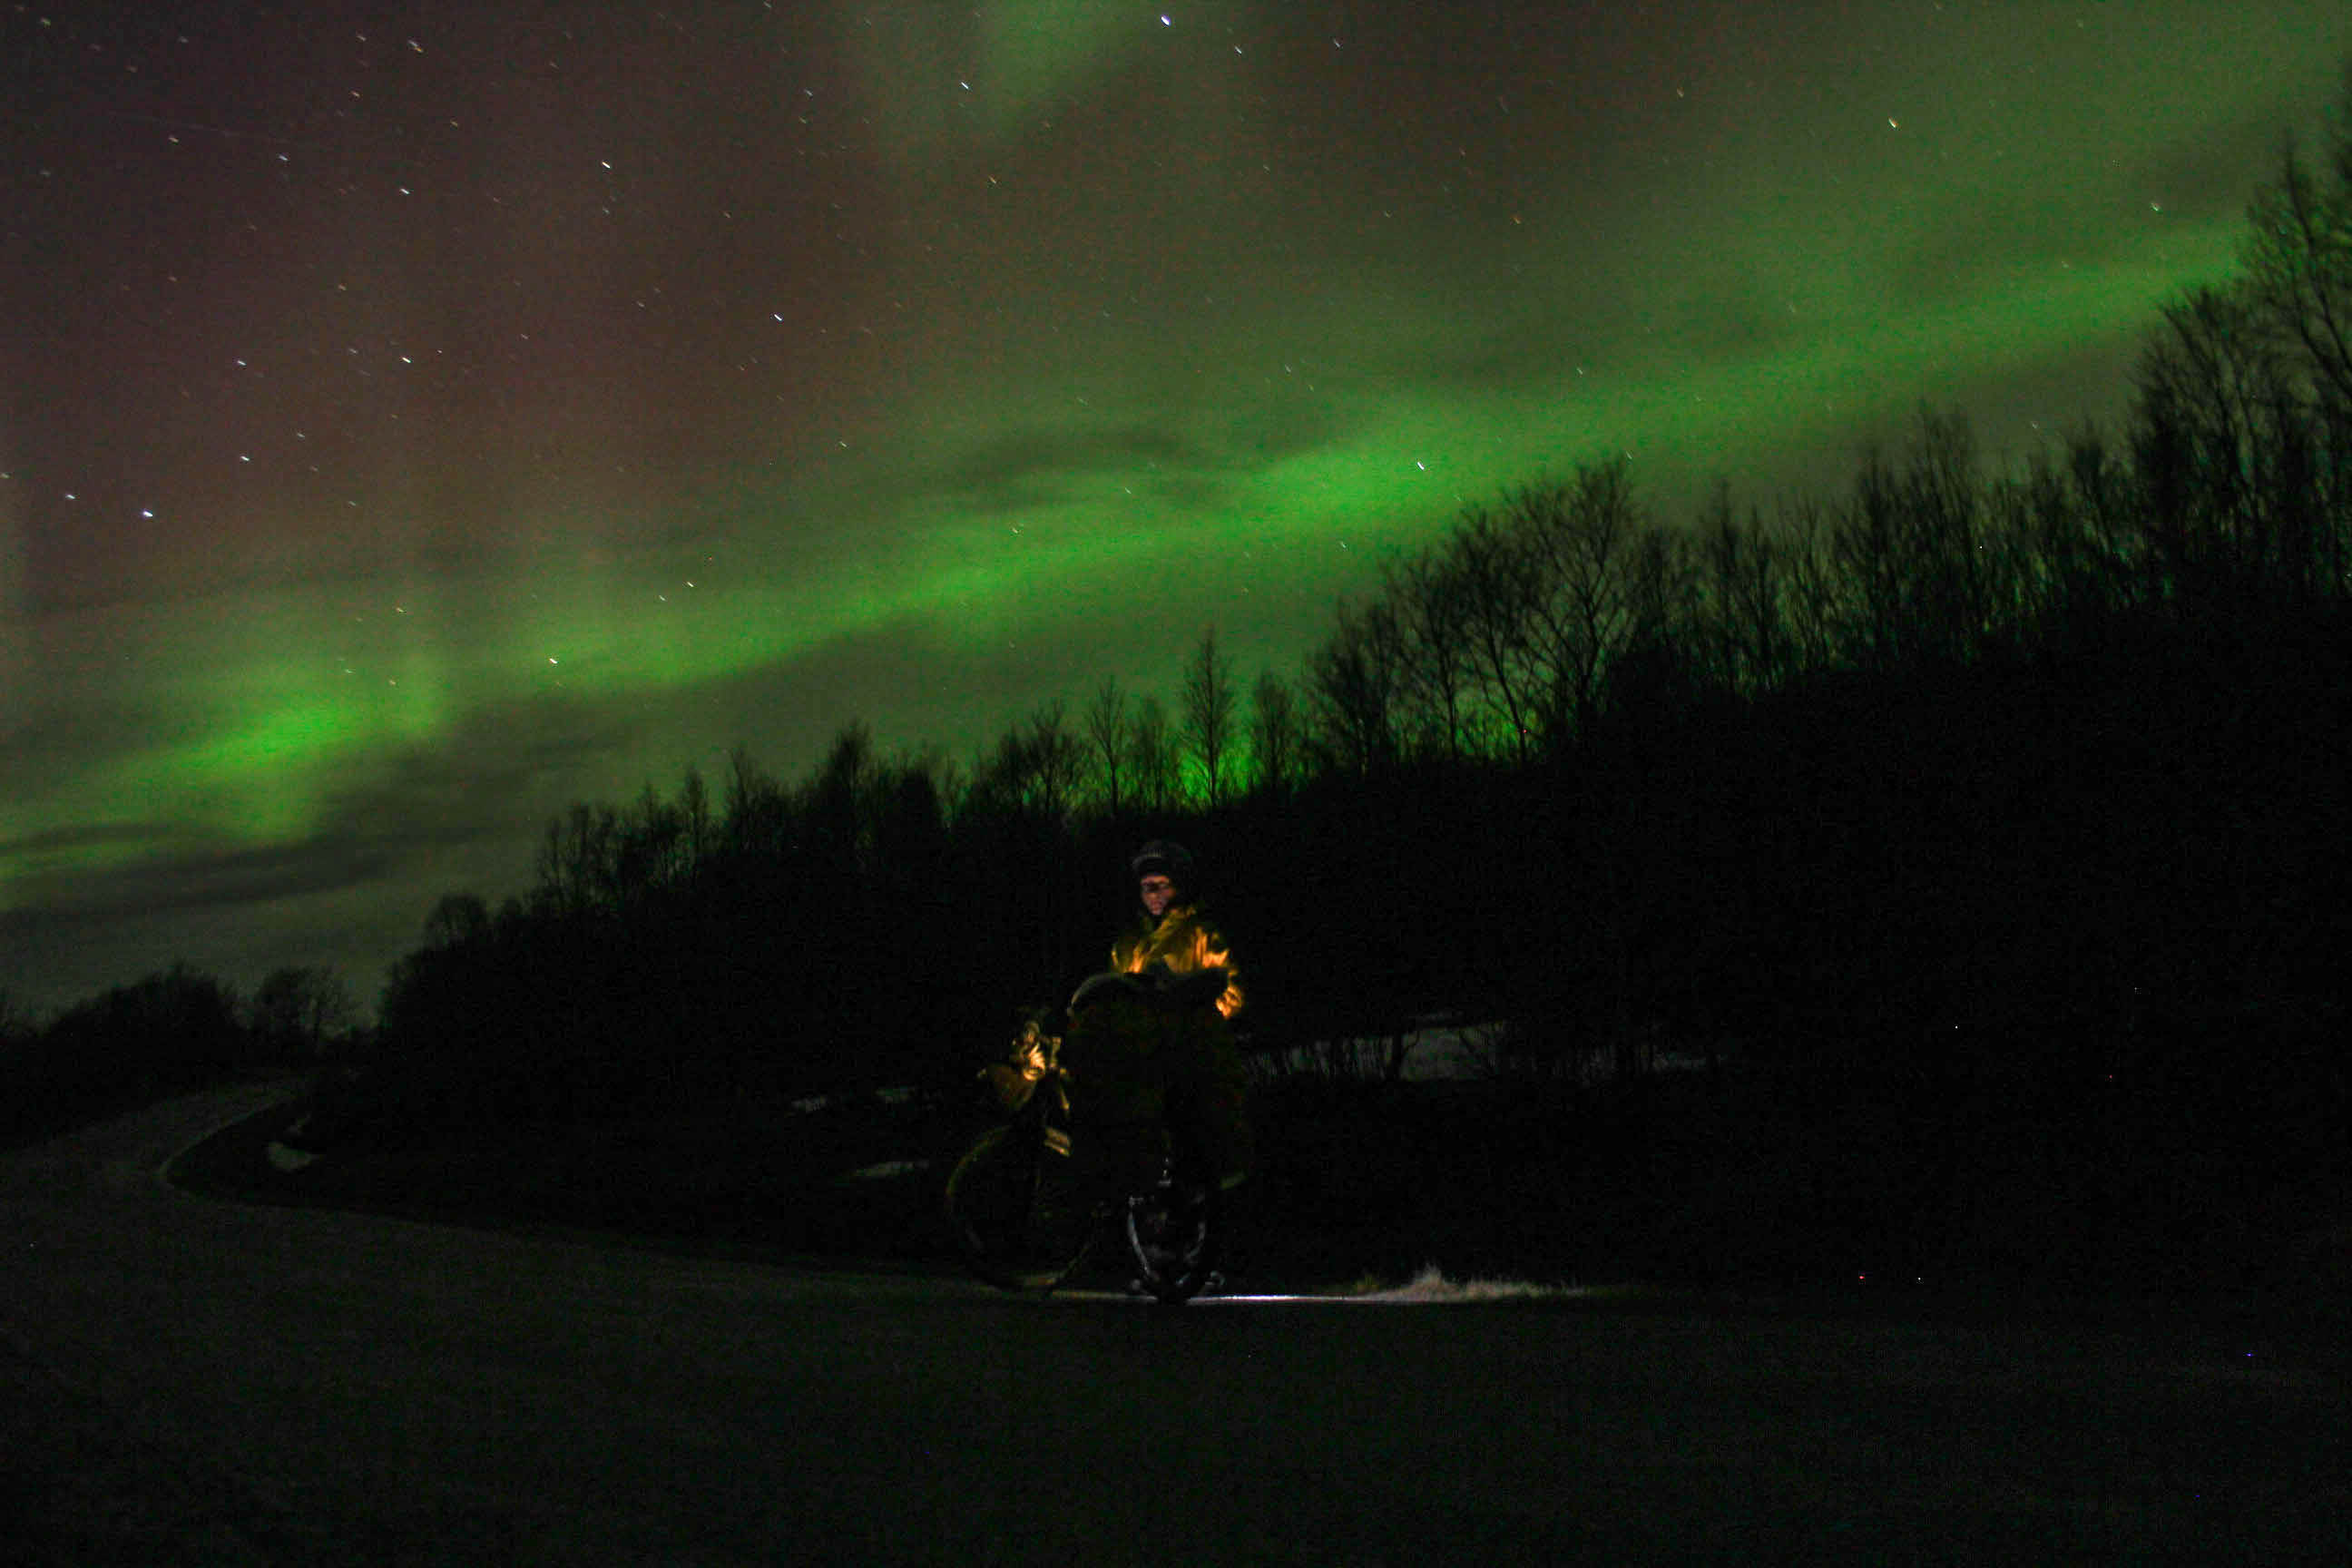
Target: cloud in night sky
column 419, row 419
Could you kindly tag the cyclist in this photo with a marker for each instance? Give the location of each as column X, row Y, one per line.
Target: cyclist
column 1149, row 1042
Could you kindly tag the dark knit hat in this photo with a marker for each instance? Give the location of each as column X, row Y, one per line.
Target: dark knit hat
column 1163, row 858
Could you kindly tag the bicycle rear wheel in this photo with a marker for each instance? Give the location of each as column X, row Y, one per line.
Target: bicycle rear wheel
column 1016, row 1212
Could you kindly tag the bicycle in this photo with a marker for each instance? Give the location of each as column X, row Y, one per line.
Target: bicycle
column 1027, row 1209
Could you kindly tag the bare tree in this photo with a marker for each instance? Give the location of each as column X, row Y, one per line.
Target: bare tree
column 649, row 849
column 1354, row 693
column 1582, row 547
column 2061, row 527
column 910, row 835
column 1058, row 760
column 576, row 863
column 756, row 808
column 2299, row 283
column 1209, row 705
column 2210, row 391
column 1756, row 606
column 2021, row 512
column 1814, row 597
column 1492, row 569
column 695, row 818
column 953, row 782
column 2299, row 257
column 1651, row 667
column 1431, row 601
column 1106, row 727
column 832, row 806
column 1950, row 590
column 1722, row 543
column 1274, row 736
column 1865, row 546
column 1742, row 616
column 1036, row 767
column 297, row 1011
column 455, row 919
column 1154, row 761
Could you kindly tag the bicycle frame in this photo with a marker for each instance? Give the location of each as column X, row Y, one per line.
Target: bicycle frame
column 1026, row 1214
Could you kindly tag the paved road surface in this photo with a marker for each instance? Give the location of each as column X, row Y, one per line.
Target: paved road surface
column 183, row 1380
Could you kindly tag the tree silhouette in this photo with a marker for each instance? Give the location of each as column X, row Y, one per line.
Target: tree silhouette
column 2298, row 257
column 696, row 821
column 1153, row 757
column 1490, row 580
column 1208, row 717
column 2213, row 400
column 297, row 1012
column 831, row 809
column 1355, row 693
column 172, row 1031
column 756, row 809
column 1274, row 737
column 1740, row 628
column 1106, row 733
column 1430, row 606
column 455, row 919
column 1813, row 594
column 1581, row 539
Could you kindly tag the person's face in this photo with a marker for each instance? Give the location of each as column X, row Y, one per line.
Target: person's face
column 1157, row 892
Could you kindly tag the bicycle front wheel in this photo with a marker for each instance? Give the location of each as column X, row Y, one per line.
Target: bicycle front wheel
column 1172, row 1234
column 1015, row 1210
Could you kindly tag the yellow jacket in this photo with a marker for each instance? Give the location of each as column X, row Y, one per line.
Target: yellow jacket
column 1186, row 942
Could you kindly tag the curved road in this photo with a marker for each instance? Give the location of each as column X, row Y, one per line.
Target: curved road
column 187, row 1381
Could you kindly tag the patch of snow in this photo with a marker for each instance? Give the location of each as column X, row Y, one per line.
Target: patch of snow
column 1443, row 1049
column 1431, row 1287
column 887, row 1169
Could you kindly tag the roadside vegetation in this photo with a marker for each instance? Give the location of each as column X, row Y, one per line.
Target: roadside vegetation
column 174, row 1032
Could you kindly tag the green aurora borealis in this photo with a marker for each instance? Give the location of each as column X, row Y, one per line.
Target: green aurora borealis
column 422, row 417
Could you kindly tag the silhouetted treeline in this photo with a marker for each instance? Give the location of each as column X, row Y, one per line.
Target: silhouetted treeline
column 1953, row 781
column 173, row 1032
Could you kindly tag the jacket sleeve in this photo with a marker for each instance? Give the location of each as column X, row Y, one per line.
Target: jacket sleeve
column 1212, row 951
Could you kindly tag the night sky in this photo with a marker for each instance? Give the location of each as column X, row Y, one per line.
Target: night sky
column 420, row 416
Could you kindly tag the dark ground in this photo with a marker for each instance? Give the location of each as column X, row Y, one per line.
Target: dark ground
column 185, row 1381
